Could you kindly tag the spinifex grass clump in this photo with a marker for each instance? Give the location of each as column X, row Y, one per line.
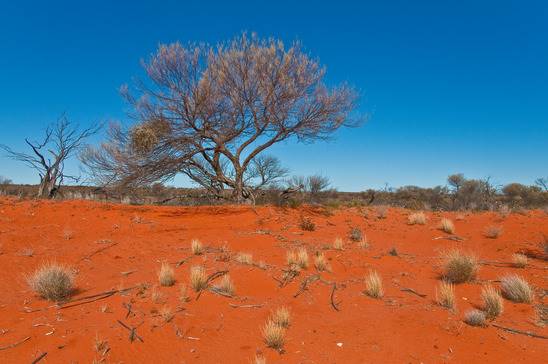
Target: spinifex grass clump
column 52, row 281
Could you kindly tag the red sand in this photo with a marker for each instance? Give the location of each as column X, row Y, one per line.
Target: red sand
column 400, row 328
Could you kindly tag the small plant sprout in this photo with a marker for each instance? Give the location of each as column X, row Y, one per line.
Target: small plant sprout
column 52, row 281
column 281, row 317
column 447, row 226
column 516, row 289
column 273, row 335
column 166, row 275
column 320, row 262
column 196, row 247
column 373, row 285
column 417, row 218
column 445, row 295
column 492, row 302
column 520, row 260
column 460, row 268
column 198, row 279
column 245, row 258
column 493, row 232
column 338, row 244
column 302, row 258
column 475, row 318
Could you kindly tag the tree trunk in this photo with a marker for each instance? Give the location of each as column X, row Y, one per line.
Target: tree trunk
column 47, row 187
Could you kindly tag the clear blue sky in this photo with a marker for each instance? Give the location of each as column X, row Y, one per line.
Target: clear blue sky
column 452, row 86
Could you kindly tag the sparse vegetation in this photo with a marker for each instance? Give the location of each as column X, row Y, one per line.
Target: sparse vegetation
column 245, row 258
column 291, row 258
column 166, row 313
column 166, row 275
column 445, row 295
column 492, row 302
column 52, row 281
column 520, row 260
column 382, row 212
column 274, row 335
column 373, row 285
column 198, row 279
column 493, row 232
column 356, row 234
column 307, row 224
column 475, row 318
column 338, row 244
column 302, row 258
column 447, row 226
column 320, row 262
column 183, row 293
column 226, row 286
column 281, row 317
column 516, row 289
column 417, row 218
column 196, row 247
column 460, row 268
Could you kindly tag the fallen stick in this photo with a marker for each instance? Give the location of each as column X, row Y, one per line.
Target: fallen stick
column 14, row 344
column 246, row 306
column 209, row 279
column 411, row 290
column 182, row 261
column 451, row 237
column 516, row 331
column 40, row 357
column 132, row 332
column 93, row 298
column 304, row 284
column 86, row 257
column 220, row 293
column 335, row 305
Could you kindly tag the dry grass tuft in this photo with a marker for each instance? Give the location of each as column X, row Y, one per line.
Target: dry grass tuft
column 363, row 243
column 307, row 224
column 156, row 295
column 475, row 318
column 445, row 295
column 460, row 268
column 520, row 260
column 281, row 317
column 493, row 232
column 418, row 218
column 291, row 258
column 183, row 293
column 338, row 244
column 196, row 247
column 274, row 335
column 516, row 289
column 100, row 345
column 259, row 359
column 245, row 258
column 447, row 226
column 52, row 281
column 492, row 302
column 226, row 286
column 302, row 258
column 373, row 285
column 166, row 313
column 320, row 262
column 382, row 212
column 166, row 275
column 198, row 278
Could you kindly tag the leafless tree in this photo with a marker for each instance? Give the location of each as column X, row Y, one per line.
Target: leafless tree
column 210, row 111
column 5, row 181
column 62, row 140
column 542, row 183
column 317, row 183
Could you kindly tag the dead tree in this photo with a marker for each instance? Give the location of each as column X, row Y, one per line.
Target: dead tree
column 62, row 140
column 210, row 113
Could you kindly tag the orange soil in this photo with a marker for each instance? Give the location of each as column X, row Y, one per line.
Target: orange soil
column 399, row 328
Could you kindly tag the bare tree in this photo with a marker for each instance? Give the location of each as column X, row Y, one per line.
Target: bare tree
column 209, row 112
column 62, row 140
column 542, row 183
column 317, row 183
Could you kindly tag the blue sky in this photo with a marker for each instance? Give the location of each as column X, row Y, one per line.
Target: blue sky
column 451, row 86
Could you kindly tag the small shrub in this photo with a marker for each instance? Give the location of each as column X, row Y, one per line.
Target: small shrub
column 196, row 247
column 418, row 218
column 460, row 268
column 475, row 318
column 302, row 258
column 52, row 281
column 338, row 244
column 226, row 286
column 445, row 295
column 493, row 232
column 382, row 212
column 198, row 279
column 274, row 335
column 373, row 285
column 356, row 234
column 166, row 275
column 281, row 317
column 492, row 302
column 520, row 260
column 393, row 252
column 320, row 262
column 516, row 289
column 245, row 258
column 307, row 224
column 447, row 226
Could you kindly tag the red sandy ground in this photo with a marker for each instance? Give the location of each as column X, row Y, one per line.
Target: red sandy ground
column 99, row 241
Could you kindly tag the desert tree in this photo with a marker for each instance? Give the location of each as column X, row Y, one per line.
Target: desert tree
column 209, row 112
column 61, row 140
column 542, row 183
